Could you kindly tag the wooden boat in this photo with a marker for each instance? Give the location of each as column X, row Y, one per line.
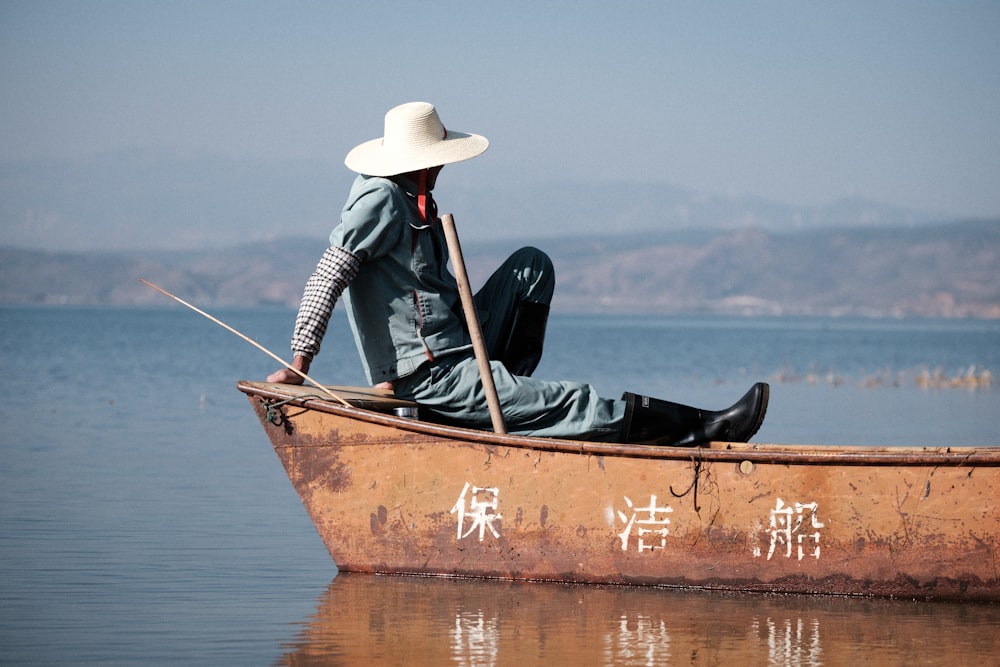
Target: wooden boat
column 392, row 494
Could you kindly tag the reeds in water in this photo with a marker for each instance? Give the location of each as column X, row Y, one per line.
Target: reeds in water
column 972, row 378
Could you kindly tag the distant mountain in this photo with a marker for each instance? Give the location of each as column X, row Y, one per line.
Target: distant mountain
column 557, row 210
column 250, row 275
column 941, row 270
column 152, row 199
column 931, row 271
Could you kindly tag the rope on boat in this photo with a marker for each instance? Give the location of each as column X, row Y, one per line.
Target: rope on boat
column 694, row 484
column 272, row 412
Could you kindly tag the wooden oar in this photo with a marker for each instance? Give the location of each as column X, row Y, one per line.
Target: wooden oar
column 472, row 320
column 249, row 340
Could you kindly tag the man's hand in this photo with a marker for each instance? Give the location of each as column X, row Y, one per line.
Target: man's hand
column 286, row 376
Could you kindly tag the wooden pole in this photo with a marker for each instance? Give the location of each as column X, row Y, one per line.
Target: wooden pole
column 249, row 340
column 472, row 320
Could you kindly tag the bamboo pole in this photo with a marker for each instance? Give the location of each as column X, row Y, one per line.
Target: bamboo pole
column 472, row 320
column 249, row 340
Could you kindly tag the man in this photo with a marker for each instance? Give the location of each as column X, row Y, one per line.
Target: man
column 388, row 258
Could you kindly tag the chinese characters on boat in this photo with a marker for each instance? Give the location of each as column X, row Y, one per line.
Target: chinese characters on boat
column 793, row 529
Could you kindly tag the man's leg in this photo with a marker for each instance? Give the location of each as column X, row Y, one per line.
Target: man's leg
column 454, row 390
column 513, row 309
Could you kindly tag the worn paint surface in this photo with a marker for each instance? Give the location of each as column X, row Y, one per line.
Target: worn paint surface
column 393, row 495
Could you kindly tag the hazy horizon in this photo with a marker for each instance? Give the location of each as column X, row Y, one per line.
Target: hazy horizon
column 799, row 104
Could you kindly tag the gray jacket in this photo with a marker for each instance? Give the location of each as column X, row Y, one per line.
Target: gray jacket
column 403, row 304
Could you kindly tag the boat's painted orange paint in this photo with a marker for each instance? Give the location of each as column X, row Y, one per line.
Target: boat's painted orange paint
column 395, row 495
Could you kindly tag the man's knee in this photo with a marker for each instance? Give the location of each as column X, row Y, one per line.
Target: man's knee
column 532, row 257
column 536, row 272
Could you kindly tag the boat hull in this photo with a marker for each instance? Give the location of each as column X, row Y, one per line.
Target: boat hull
column 394, row 495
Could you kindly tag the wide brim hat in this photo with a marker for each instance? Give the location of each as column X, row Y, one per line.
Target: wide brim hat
column 414, row 139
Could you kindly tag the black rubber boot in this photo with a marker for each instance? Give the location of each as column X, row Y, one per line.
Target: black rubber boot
column 523, row 349
column 652, row 421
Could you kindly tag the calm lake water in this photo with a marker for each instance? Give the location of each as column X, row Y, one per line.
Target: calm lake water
column 144, row 518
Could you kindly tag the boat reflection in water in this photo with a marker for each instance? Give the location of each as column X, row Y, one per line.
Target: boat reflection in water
column 369, row 619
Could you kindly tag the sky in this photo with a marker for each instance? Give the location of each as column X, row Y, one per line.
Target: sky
column 798, row 102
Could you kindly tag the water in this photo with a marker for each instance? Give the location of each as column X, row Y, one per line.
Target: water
column 144, row 518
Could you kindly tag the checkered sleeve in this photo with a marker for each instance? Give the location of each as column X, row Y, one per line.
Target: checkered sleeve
column 334, row 272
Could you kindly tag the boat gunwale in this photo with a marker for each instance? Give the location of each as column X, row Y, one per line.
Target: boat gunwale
column 714, row 452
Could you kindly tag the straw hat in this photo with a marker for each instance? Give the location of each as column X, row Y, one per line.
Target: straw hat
column 414, row 139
